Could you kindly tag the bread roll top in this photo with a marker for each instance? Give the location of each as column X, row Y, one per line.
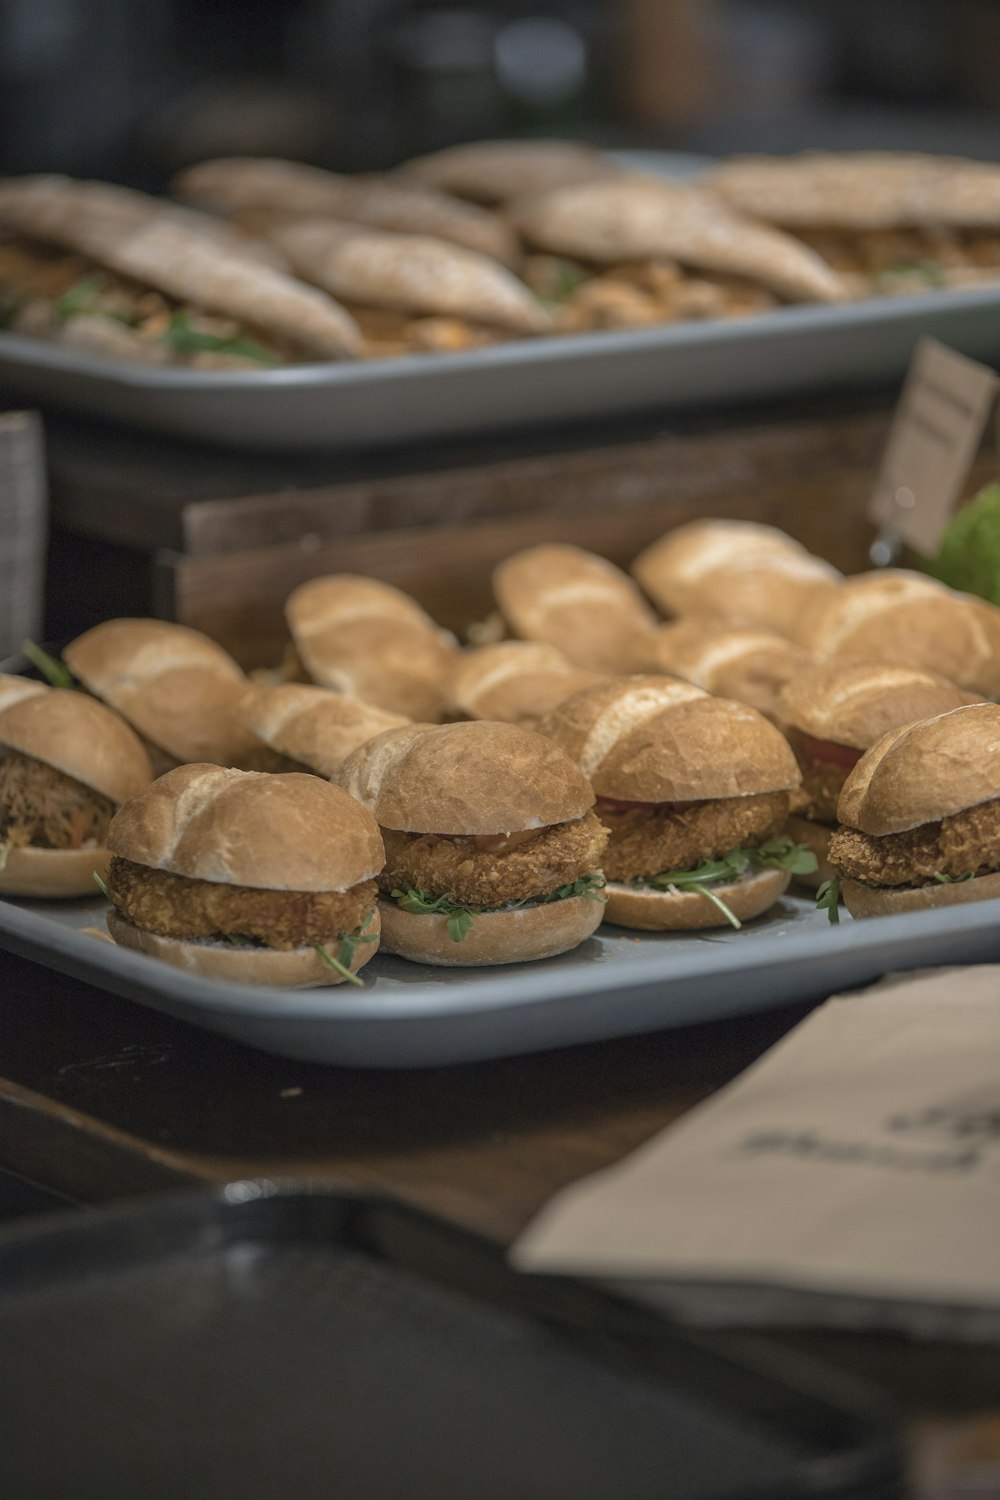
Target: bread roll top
column 78, row 736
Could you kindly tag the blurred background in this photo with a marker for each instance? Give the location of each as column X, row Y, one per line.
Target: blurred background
column 134, row 89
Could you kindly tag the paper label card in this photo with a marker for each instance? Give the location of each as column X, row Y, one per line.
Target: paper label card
column 935, row 435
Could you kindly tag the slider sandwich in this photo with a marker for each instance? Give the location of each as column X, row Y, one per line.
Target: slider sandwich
column 493, row 852
column 496, row 171
column 177, row 688
column 100, row 269
column 909, row 620
column 831, row 714
column 581, row 604
column 920, row 817
column 357, row 635
column 66, row 763
column 733, row 570
column 309, row 728
column 240, row 875
column 516, row 682
column 695, row 794
column 747, row 663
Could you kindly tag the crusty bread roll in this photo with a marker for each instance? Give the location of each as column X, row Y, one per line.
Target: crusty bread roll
column 358, row 635
column 494, row 171
column 79, row 737
column 578, row 602
column 514, row 681
column 387, row 201
column 910, row 620
column 408, row 273
column 178, row 688
column 748, row 664
column 656, row 739
column 686, row 911
column 296, row 968
column 886, row 901
column 13, row 688
column 276, row 833
column 924, row 772
column 732, row 570
column 856, row 702
column 472, row 778
column 629, row 218
column 863, row 190
column 495, row 937
column 312, row 725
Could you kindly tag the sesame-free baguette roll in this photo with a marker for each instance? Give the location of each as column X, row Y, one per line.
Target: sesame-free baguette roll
column 591, row 611
column 312, row 725
column 855, row 703
column 477, row 778
column 177, row 687
column 14, row 688
column 495, row 171
column 741, row 662
column 408, row 273
column 386, row 201
column 643, row 218
column 514, row 681
column 735, row 570
column 923, row 772
column 656, row 739
column 358, row 635
column 248, row 828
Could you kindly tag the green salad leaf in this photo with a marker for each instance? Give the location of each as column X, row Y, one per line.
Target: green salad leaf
column 461, row 916
column 98, row 881
column 969, row 555
column 943, row 879
column 923, row 270
column 81, row 298
column 180, row 335
column 332, row 962
column 828, row 900
column 55, row 672
column 349, row 942
column 776, row 854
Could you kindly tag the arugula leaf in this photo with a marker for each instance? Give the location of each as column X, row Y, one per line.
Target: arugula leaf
column 55, row 672
column 421, row 903
column 237, row 940
column 776, row 854
column 350, row 941
column 591, row 886
column 828, row 899
column 969, row 555
column 5, row 849
column 81, row 298
column 783, row 854
column 338, row 967
column 181, row 336
column 925, row 270
column 101, row 886
column 943, row 879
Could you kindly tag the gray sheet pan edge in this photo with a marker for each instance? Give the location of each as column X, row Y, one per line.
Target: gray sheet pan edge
column 463, row 1017
column 518, row 385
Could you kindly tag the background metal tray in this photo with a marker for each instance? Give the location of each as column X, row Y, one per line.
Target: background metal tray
column 522, row 385
column 256, row 1347
column 616, row 984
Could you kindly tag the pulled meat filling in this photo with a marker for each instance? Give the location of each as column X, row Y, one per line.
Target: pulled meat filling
column 174, row 906
column 536, row 863
column 968, row 842
column 41, row 806
column 648, row 838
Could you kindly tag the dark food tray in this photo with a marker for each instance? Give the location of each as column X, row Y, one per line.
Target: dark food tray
column 266, row 1345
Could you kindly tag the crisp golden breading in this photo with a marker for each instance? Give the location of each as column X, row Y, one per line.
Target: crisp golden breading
column 549, row 858
column 653, row 837
column 41, row 806
column 174, row 906
column 968, row 841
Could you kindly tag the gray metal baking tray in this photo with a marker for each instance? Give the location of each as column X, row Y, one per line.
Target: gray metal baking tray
column 616, row 984
column 522, row 385
column 258, row 1345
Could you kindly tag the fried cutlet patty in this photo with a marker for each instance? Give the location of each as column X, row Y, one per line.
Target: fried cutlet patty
column 41, row 806
column 653, row 837
column 539, row 862
column 968, row 841
column 174, row 906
